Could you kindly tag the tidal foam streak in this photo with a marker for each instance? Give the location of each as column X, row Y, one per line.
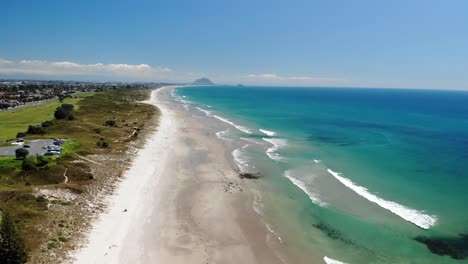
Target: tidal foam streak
column 312, row 196
column 411, row 215
column 241, row 128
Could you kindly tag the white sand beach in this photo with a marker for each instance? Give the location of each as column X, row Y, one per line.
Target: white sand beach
column 180, row 202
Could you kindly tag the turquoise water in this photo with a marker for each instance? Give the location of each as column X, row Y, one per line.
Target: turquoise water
column 365, row 175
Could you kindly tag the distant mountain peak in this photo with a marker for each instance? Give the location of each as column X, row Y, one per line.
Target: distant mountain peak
column 203, row 81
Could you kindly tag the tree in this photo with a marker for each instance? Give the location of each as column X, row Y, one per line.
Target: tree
column 68, row 107
column 36, row 130
column 60, row 113
column 21, row 153
column 11, row 245
column 63, row 111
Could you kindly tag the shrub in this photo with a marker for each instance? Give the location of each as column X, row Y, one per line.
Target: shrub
column 41, row 199
column 97, row 130
column 36, row 130
column 28, row 164
column 47, row 123
column 102, row 144
column 110, row 123
column 20, row 135
column 21, row 153
column 41, row 161
column 71, row 117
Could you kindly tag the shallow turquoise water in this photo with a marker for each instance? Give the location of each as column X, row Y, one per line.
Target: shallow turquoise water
column 401, row 155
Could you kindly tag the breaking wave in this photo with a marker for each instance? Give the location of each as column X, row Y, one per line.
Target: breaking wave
column 411, row 215
column 268, row 133
column 241, row 128
column 277, row 144
column 240, row 158
column 312, row 196
column 207, row 113
column 332, row 261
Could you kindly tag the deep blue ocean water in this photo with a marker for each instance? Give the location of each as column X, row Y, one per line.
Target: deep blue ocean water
column 368, row 172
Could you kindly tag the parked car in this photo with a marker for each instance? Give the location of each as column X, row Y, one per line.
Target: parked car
column 26, row 146
column 53, row 153
column 53, row 147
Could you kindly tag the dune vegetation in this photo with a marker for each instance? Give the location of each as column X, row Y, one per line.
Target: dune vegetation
column 103, row 123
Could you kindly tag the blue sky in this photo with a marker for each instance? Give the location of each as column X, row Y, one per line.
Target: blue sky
column 414, row 44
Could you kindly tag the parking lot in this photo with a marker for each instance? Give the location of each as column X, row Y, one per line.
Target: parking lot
column 36, row 147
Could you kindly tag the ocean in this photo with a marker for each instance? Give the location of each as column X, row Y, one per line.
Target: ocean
column 350, row 175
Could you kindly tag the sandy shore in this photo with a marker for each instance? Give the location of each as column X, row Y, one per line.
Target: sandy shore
column 180, row 202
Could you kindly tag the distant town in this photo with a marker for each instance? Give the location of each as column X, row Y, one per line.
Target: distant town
column 14, row 93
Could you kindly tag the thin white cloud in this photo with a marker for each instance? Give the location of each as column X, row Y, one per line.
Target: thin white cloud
column 276, row 77
column 3, row 61
column 268, row 76
column 57, row 68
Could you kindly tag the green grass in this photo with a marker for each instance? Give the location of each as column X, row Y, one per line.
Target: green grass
column 9, row 166
column 16, row 121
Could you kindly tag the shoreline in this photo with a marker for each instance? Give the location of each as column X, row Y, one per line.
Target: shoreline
column 100, row 244
column 180, row 201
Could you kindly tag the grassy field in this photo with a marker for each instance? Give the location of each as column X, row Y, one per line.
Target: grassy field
column 15, row 121
column 83, row 134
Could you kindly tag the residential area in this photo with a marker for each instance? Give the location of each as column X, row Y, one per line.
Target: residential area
column 20, row 93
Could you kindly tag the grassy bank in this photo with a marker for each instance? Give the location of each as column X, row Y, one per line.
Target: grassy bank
column 15, row 121
column 114, row 117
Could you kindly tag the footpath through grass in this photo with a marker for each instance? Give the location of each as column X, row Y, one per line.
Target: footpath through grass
column 14, row 121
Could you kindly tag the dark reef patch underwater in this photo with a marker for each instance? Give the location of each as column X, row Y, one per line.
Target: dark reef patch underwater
column 455, row 247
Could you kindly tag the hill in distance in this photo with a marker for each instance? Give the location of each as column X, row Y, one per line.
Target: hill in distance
column 203, row 81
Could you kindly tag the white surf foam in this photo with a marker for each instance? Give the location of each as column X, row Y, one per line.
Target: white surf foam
column 332, row 261
column 239, row 158
column 312, row 196
column 223, row 134
column 317, row 161
column 411, row 215
column 207, row 113
column 241, row 128
column 186, row 106
column 277, row 144
column 268, row 133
